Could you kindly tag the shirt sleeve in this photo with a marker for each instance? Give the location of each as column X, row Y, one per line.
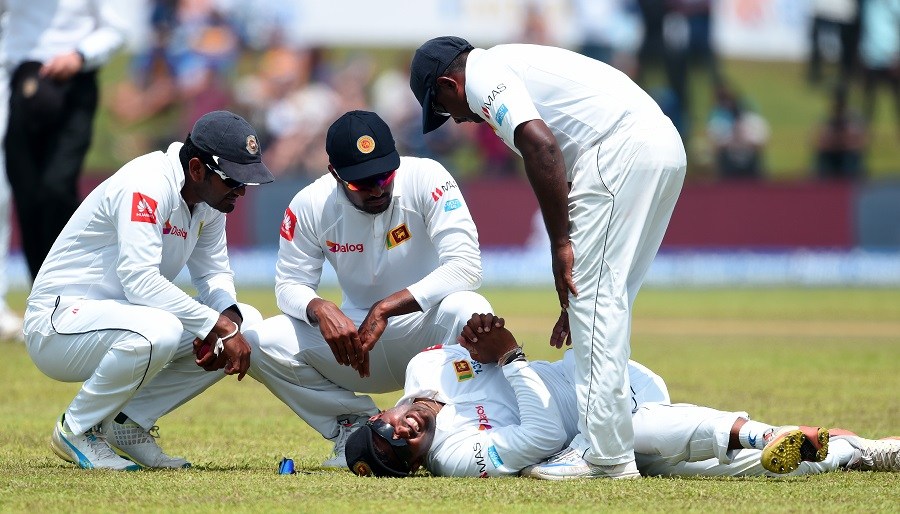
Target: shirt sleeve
column 453, row 233
column 109, row 35
column 140, row 213
column 298, row 269
column 499, row 96
column 209, row 267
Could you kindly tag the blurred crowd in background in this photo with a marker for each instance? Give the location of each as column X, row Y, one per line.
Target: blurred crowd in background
column 206, row 54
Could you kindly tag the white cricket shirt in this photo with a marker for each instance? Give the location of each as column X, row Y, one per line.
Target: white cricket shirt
column 131, row 237
column 581, row 100
column 498, row 420
column 425, row 242
column 37, row 30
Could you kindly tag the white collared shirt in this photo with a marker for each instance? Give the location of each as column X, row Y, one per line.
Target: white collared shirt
column 425, row 242
column 38, row 30
column 131, row 237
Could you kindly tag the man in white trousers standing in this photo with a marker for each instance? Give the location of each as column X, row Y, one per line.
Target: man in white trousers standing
column 607, row 167
column 104, row 309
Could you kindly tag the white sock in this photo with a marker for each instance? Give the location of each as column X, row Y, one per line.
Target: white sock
column 753, row 434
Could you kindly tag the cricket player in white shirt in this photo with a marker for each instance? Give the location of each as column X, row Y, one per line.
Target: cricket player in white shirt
column 490, row 412
column 402, row 242
column 104, row 310
column 607, row 167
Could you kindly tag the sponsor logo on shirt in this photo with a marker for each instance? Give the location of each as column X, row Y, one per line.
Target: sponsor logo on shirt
column 143, row 208
column 501, row 113
column 452, row 205
column 288, row 224
column 479, row 461
column 487, row 113
column 396, row 236
column 463, row 370
column 483, row 421
column 440, row 190
column 343, row 248
column 168, row 228
column 489, row 99
column 433, row 347
column 494, row 456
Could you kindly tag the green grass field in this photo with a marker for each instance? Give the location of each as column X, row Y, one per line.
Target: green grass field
column 813, row 356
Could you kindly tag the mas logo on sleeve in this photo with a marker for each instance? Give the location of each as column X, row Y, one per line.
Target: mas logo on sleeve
column 397, row 235
column 143, row 208
column 288, row 224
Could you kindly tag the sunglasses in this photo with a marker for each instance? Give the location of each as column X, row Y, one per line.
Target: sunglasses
column 439, row 110
column 230, row 182
column 381, row 181
column 400, row 446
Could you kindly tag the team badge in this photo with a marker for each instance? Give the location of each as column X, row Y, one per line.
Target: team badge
column 362, row 469
column 143, row 208
column 463, row 370
column 252, row 145
column 288, row 224
column 396, row 236
column 365, row 144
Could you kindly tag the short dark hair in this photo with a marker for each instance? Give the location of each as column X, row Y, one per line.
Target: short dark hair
column 457, row 65
column 189, row 150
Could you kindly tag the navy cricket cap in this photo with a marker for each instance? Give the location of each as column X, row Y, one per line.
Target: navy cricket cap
column 234, row 145
column 430, row 62
column 359, row 145
column 366, row 459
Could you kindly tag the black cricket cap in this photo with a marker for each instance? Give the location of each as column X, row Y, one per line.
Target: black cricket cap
column 430, row 62
column 360, row 145
column 364, row 459
column 234, row 145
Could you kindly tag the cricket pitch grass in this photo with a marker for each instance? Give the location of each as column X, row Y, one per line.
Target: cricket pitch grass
column 827, row 357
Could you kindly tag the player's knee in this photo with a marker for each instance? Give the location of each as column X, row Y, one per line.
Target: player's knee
column 462, row 304
column 164, row 331
column 250, row 314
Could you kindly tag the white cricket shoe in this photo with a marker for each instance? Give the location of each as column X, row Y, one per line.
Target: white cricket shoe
column 10, row 326
column 89, row 450
column 789, row 445
column 873, row 454
column 346, row 427
column 569, row 465
column 131, row 441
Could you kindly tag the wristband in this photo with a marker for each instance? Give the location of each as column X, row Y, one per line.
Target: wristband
column 516, row 354
column 220, row 342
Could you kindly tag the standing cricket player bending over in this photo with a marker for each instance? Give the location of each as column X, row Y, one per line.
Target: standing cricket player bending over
column 104, row 310
column 606, row 166
column 489, row 411
column 404, row 247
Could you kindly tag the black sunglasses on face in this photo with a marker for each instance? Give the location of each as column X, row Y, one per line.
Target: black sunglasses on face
column 230, row 182
column 400, row 446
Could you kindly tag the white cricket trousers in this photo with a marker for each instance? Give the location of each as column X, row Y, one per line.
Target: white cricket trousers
column 115, row 347
column 687, row 440
column 620, row 203
column 292, row 359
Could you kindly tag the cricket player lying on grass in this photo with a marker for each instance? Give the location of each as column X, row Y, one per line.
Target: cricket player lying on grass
column 464, row 415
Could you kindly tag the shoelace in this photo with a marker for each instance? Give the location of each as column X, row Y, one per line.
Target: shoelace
column 883, row 455
column 98, row 444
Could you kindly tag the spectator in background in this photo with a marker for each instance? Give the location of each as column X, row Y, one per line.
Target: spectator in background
column 841, row 140
column 52, row 50
column 879, row 51
column 737, row 133
column 838, row 19
column 291, row 94
column 611, row 31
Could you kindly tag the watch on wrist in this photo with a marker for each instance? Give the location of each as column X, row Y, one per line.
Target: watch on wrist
column 516, row 354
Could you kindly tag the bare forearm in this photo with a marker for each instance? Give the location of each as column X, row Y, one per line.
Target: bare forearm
column 546, row 171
